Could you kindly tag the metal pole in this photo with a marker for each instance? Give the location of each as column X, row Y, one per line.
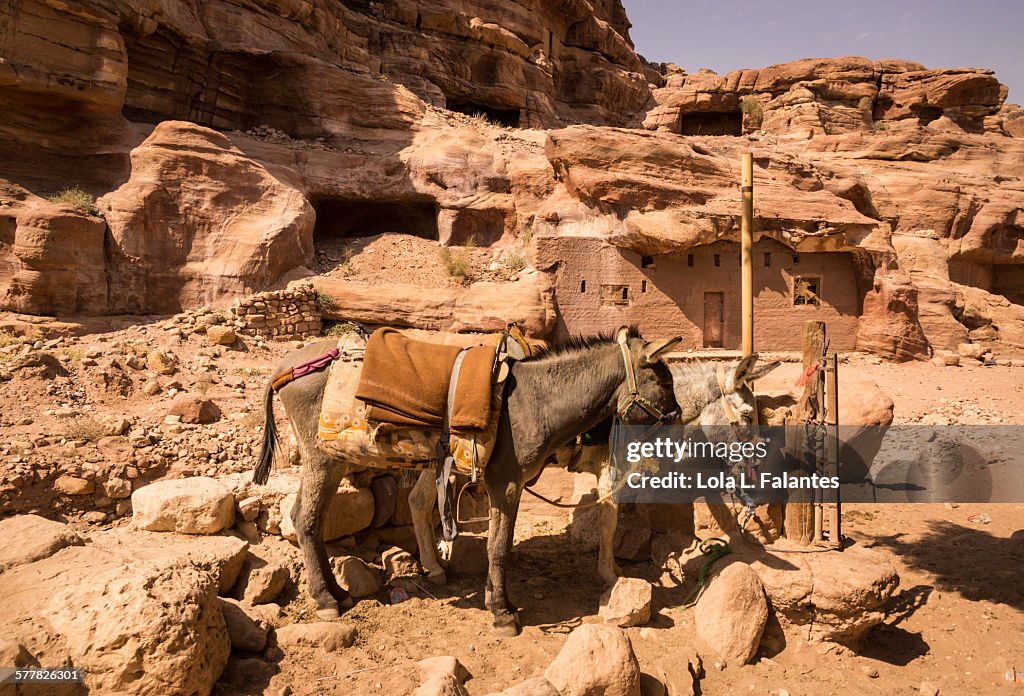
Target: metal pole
column 836, row 526
column 746, row 251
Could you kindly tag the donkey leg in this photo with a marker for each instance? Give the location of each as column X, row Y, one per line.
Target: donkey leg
column 422, row 499
column 320, row 478
column 504, row 505
column 608, row 519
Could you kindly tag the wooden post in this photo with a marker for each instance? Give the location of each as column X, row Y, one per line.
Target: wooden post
column 799, row 523
column 746, row 252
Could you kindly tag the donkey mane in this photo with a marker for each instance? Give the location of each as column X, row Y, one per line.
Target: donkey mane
column 575, row 344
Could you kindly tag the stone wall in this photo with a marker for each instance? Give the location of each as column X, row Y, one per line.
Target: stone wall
column 279, row 314
column 599, row 286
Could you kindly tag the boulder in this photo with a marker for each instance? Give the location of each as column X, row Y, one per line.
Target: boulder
column 596, row 660
column 441, row 676
column 831, row 596
column 538, row 686
column 627, row 603
column 223, row 556
column 221, row 335
column 57, row 262
column 442, row 664
column 441, row 685
column 398, row 563
column 196, row 505
column 350, row 510
column 732, row 612
column 194, row 409
column 469, row 554
column 245, row 633
column 73, row 485
column 138, row 611
column 146, row 629
column 28, row 538
column 971, row 350
column 357, row 578
column 326, row 635
column 261, row 584
column 481, row 307
column 251, row 225
column 162, row 362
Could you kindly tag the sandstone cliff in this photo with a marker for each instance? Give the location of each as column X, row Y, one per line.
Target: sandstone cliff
column 224, row 141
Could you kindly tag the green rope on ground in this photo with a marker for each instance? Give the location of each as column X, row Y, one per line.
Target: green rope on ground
column 714, row 548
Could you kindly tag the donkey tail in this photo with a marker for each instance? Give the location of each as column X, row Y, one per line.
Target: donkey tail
column 261, row 474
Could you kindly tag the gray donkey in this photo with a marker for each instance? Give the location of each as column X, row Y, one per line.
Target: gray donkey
column 549, row 399
column 707, row 397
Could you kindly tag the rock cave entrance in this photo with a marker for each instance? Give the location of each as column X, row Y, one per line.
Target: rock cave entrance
column 508, row 118
column 340, row 218
column 717, row 123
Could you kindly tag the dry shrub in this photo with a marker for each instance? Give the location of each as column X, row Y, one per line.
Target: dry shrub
column 85, row 428
column 78, row 199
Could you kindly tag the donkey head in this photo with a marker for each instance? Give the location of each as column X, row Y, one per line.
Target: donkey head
column 714, row 395
column 647, row 394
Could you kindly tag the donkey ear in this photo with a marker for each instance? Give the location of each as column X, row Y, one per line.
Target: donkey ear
column 743, row 370
column 622, row 335
column 762, row 370
column 652, row 352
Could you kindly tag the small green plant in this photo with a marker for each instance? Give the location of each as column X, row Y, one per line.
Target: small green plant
column 515, row 261
column 526, row 236
column 340, row 328
column 881, row 126
column 8, row 339
column 75, row 354
column 78, row 199
column 324, row 302
column 752, row 111
column 457, row 263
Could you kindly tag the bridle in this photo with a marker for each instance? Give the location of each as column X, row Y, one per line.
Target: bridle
column 633, row 396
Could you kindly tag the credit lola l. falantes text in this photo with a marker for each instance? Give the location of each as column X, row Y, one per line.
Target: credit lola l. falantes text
column 728, row 482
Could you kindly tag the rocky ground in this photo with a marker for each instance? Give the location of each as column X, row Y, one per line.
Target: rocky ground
column 100, row 431
column 390, row 258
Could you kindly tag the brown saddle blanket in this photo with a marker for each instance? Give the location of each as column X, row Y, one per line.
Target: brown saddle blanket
column 405, row 382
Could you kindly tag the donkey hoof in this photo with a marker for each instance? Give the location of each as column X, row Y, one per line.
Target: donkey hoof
column 508, row 628
column 328, row 613
column 438, row 578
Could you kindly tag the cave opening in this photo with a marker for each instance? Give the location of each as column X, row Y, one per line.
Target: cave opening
column 926, row 114
column 352, row 218
column 509, row 118
column 716, row 123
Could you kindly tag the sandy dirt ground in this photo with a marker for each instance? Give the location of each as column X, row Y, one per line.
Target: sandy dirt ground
column 956, row 622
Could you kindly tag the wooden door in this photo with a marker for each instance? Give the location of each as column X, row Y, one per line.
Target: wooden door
column 714, row 319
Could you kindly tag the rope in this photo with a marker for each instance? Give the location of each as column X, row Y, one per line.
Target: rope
column 714, row 548
column 578, row 506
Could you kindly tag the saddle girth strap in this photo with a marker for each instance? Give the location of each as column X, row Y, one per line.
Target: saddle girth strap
column 445, row 460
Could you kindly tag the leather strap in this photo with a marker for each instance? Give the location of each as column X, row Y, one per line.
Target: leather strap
column 445, row 460
column 633, row 396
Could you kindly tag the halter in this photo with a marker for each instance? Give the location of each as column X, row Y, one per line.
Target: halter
column 633, row 396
